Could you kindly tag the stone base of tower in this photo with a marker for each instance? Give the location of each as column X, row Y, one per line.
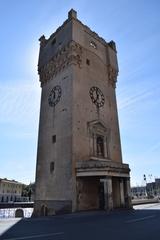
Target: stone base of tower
column 103, row 193
column 51, row 207
column 103, row 185
column 100, row 184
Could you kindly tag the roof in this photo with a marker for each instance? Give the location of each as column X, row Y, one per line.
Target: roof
column 10, row 181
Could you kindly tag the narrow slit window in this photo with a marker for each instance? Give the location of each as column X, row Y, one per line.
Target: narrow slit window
column 54, row 138
column 51, row 167
column 87, row 61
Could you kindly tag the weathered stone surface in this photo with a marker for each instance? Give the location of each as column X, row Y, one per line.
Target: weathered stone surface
column 86, row 147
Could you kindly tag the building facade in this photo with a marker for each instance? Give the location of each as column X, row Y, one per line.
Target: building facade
column 153, row 188
column 139, row 192
column 79, row 160
column 10, row 190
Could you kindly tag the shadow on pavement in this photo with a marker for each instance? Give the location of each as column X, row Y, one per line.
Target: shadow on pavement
column 124, row 224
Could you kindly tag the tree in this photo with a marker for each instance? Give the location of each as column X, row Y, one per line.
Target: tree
column 28, row 190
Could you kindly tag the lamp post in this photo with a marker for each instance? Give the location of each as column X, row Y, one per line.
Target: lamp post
column 151, row 185
column 145, row 180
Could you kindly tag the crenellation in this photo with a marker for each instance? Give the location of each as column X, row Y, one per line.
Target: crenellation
column 112, row 45
column 43, row 41
column 72, row 14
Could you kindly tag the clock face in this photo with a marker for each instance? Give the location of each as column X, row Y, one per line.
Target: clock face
column 54, row 96
column 96, row 96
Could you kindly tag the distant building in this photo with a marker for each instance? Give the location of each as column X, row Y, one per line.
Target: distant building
column 138, row 192
column 153, row 188
column 157, row 181
column 10, row 190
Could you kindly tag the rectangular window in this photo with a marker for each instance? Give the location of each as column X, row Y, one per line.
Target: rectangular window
column 51, row 167
column 54, row 138
column 87, row 61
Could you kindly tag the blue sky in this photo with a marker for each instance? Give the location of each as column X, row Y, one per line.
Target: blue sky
column 133, row 25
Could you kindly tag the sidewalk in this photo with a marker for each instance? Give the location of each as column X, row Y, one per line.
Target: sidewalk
column 145, row 201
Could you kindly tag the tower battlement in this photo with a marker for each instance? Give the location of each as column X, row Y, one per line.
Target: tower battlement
column 54, row 51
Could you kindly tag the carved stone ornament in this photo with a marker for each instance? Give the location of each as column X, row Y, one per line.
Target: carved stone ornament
column 98, row 131
column 97, row 127
column 68, row 55
column 112, row 76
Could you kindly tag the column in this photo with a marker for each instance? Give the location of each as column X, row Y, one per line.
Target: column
column 127, row 193
column 91, row 143
column 108, row 198
column 94, row 145
column 122, row 192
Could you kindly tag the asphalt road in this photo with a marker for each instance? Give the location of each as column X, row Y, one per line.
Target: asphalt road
column 142, row 223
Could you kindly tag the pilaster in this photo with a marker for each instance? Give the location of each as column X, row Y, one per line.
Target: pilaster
column 127, row 193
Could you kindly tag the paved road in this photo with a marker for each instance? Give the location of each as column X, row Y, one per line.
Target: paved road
column 142, row 223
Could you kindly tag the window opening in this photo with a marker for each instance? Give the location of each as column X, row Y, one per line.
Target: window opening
column 87, row 61
column 92, row 44
column 54, row 138
column 51, row 167
column 100, row 146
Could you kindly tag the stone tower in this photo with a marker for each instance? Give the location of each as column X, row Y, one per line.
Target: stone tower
column 79, row 161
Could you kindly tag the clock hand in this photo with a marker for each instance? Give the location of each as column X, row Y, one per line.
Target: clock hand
column 97, row 94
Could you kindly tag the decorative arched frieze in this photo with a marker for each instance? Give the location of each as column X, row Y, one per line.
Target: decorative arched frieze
column 68, row 55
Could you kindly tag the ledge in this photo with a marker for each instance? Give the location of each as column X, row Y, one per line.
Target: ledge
column 102, row 167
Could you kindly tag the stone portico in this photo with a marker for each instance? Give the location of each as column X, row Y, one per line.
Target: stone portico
column 111, row 184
